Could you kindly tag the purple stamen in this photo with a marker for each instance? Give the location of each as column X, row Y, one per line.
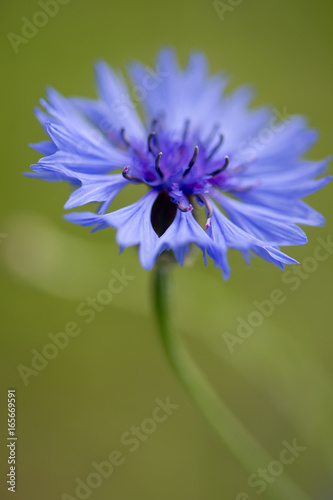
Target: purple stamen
column 158, row 166
column 211, row 135
column 217, row 147
column 184, row 209
column 151, row 138
column 192, row 162
column 129, row 177
column 224, row 166
column 185, row 132
column 154, row 123
column 124, row 138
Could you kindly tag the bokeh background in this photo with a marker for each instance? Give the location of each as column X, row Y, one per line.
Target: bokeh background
column 75, row 410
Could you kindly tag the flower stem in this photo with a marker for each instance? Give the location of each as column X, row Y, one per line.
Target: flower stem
column 244, row 448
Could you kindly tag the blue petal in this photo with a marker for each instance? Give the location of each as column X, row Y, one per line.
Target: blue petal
column 283, row 171
column 86, row 147
column 227, row 234
column 86, row 219
column 274, row 256
column 261, row 222
column 57, row 172
column 133, row 224
column 180, row 95
column 46, row 176
column 93, row 188
column 42, row 117
column 44, row 147
column 135, row 228
column 84, row 163
column 286, row 201
column 185, row 230
column 120, row 109
column 292, row 140
column 104, row 189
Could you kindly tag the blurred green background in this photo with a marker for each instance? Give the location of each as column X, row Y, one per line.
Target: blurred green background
column 279, row 381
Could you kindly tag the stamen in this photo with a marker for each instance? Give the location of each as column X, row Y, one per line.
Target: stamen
column 152, row 135
column 154, row 123
column 158, row 166
column 128, row 144
column 151, row 138
column 185, row 132
column 129, row 177
column 184, row 209
column 211, row 135
column 124, row 138
column 224, row 166
column 192, row 162
column 217, row 147
column 208, row 207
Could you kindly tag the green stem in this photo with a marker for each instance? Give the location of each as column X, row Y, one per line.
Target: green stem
column 245, row 449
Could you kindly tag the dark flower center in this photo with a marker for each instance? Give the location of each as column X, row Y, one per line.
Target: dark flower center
column 177, row 168
column 163, row 213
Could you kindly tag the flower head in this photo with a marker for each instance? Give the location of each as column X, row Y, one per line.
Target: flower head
column 197, row 151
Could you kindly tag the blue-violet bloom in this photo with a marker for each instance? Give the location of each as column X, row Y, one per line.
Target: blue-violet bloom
column 196, row 147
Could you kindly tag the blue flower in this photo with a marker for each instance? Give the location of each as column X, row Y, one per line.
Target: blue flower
column 197, row 151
